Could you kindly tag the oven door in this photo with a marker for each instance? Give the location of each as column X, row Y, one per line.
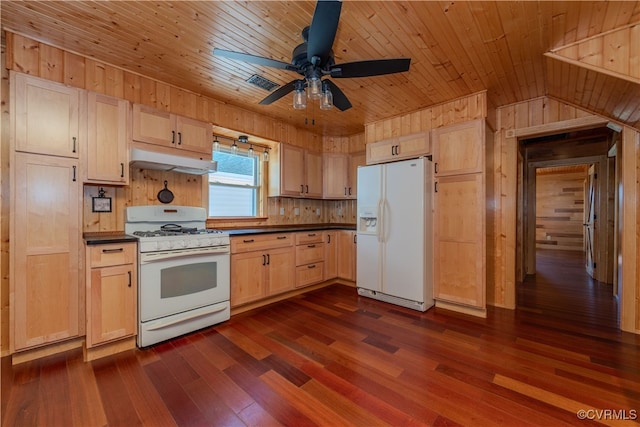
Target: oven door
column 178, row 281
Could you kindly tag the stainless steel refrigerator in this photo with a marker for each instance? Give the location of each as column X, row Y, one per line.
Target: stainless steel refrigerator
column 394, row 228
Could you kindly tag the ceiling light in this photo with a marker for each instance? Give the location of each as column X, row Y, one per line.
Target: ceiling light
column 265, row 155
column 315, row 87
column 243, row 138
column 216, row 145
column 326, row 100
column 250, row 151
column 234, row 148
column 299, row 96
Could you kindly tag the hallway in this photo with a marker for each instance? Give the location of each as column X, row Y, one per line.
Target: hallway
column 563, row 293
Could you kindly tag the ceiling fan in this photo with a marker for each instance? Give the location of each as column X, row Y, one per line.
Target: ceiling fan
column 314, row 59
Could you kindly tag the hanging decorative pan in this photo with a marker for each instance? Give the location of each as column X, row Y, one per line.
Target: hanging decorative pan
column 165, row 195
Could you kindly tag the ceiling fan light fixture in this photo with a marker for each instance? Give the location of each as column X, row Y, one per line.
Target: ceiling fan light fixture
column 326, row 100
column 299, row 96
column 315, row 87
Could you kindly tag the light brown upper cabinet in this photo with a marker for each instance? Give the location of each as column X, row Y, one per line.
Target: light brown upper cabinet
column 296, row 173
column 107, row 151
column 170, row 130
column 399, row 148
column 340, row 175
column 459, row 148
column 47, row 116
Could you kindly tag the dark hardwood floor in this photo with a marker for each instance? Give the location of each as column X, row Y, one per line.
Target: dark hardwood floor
column 332, row 358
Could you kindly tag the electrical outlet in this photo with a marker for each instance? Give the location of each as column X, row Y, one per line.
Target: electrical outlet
column 318, row 211
column 296, row 211
column 281, row 211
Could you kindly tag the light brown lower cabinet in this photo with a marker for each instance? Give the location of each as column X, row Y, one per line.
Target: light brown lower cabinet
column 111, row 299
column 309, row 258
column 257, row 274
column 330, row 254
column 347, row 241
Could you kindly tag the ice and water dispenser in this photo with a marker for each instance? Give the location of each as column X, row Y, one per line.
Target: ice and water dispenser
column 368, row 221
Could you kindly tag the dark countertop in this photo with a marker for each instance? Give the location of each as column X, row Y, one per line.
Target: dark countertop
column 103, row 238
column 288, row 229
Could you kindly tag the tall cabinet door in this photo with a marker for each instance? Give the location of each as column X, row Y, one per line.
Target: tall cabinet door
column 45, row 250
column 459, row 241
column 47, row 116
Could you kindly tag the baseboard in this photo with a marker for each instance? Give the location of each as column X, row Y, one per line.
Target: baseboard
column 109, row 349
column 478, row 312
column 37, row 353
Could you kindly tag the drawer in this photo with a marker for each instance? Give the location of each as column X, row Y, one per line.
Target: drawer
column 309, row 237
column 309, row 274
column 260, row 242
column 112, row 254
column 312, row 252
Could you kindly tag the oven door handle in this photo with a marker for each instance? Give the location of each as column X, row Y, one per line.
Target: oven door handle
column 147, row 258
column 166, row 324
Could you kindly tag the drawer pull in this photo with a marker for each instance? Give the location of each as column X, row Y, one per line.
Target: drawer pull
column 282, row 237
column 129, row 278
column 311, row 266
column 248, row 241
column 111, row 251
column 311, row 234
column 311, row 246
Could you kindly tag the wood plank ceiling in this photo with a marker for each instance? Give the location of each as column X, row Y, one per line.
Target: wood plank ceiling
column 457, row 48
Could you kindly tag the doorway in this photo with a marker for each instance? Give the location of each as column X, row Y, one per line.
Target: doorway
column 568, row 217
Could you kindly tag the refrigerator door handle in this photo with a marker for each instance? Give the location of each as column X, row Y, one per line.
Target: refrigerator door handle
column 380, row 221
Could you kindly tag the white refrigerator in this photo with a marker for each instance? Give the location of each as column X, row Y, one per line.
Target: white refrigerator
column 394, row 228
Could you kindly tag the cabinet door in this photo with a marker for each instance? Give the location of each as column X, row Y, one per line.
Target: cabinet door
column 248, row 277
column 459, row 243
column 331, row 255
column 46, row 206
column 347, row 255
column 194, row 135
column 336, row 176
column 381, row 151
column 291, row 171
column 459, row 149
column 112, row 308
column 153, row 126
column 281, row 270
column 47, row 117
column 107, row 150
column 355, row 160
column 313, row 174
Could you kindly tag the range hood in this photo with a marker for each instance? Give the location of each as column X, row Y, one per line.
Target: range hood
column 146, row 159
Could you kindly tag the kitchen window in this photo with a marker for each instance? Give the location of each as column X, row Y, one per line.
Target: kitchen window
column 235, row 190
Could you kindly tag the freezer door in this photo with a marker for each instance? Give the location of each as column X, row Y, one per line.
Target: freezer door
column 368, row 262
column 404, row 230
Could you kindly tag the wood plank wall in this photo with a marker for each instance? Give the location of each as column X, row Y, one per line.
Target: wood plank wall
column 4, row 202
column 537, row 115
column 38, row 59
column 560, row 208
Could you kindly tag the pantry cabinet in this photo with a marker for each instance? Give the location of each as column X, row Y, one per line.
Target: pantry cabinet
column 168, row 130
column 261, row 266
column 460, row 216
column 45, row 250
column 399, row 148
column 111, row 297
column 296, row 173
column 47, row 116
column 107, row 151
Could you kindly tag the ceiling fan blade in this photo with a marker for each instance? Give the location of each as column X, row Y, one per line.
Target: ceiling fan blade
column 259, row 60
column 279, row 93
column 322, row 31
column 376, row 67
column 339, row 98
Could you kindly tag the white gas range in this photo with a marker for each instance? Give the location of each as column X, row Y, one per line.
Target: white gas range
column 184, row 274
